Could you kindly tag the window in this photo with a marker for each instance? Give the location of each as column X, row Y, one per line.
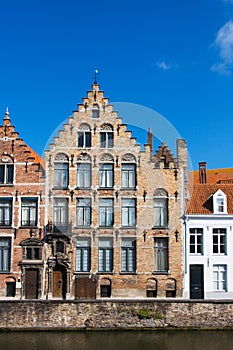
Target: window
column 60, row 247
column 106, row 136
column 33, row 253
column 6, row 173
column 61, row 213
column 128, row 212
column 29, row 212
column 84, row 136
column 5, row 212
column 105, row 288
column 105, row 255
column 219, row 241
column 83, row 255
column 95, row 111
column 219, row 202
column 84, row 175
column 83, row 211
column 128, row 255
column 219, row 278
column 106, row 176
column 10, row 289
column 161, row 254
column 196, row 241
column 160, row 208
column 61, row 175
column 106, row 212
column 128, row 176
column 5, row 254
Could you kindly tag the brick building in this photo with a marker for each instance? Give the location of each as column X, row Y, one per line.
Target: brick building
column 113, row 211
column 22, row 185
column 208, row 234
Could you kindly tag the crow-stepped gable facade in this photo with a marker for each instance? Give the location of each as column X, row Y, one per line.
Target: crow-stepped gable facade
column 113, row 211
column 22, row 185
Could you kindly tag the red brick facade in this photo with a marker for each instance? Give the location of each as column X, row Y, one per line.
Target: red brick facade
column 22, row 185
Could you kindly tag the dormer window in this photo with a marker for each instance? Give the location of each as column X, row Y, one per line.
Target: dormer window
column 219, row 202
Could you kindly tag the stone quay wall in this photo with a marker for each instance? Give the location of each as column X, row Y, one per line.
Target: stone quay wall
column 115, row 315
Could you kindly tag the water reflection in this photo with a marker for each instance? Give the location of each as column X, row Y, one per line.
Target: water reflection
column 159, row 340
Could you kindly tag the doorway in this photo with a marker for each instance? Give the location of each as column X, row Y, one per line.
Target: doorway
column 31, row 283
column 59, row 282
column 196, row 282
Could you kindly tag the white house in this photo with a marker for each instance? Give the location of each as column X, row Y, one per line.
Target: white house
column 208, row 227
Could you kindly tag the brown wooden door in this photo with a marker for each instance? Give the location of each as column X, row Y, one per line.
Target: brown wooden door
column 31, row 283
column 57, row 284
column 85, row 288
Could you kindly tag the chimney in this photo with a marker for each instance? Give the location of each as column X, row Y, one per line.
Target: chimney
column 150, row 140
column 202, row 172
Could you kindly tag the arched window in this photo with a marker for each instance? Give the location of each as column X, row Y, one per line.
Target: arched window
column 160, row 208
column 106, row 136
column 61, row 171
column 171, row 288
column 84, row 136
column 84, row 171
column 106, row 171
column 128, row 171
column 105, row 288
column 151, row 288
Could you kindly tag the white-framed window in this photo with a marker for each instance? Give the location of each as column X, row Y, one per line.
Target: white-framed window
column 220, row 278
column 84, row 175
column 60, row 212
column 160, row 208
column 128, row 212
column 220, row 202
column 95, row 111
column 106, row 136
column 106, row 175
column 6, row 173
column 84, row 136
column 219, row 240
column 5, row 254
column 61, row 171
column 160, row 254
column 29, row 211
column 105, row 263
column 5, row 211
column 128, row 255
column 128, row 175
column 83, row 254
column 106, row 212
column 196, row 241
column 83, row 211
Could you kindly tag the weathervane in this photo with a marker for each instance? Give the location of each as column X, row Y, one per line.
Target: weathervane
column 95, row 75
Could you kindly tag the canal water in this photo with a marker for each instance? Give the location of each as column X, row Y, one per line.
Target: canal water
column 147, row 340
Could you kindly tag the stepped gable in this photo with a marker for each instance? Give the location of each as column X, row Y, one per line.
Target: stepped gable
column 201, row 193
column 11, row 140
column 163, row 154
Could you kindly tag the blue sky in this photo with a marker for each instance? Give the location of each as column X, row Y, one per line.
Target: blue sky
column 172, row 56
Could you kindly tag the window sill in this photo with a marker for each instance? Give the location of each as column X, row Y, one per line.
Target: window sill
column 8, row 185
column 28, row 226
column 82, row 273
column 128, row 189
column 82, row 227
column 6, row 226
column 160, row 227
column 104, row 273
column 128, row 227
column 83, row 188
column 105, row 188
column 160, row 273
column 60, row 188
column 128, row 273
column 106, row 227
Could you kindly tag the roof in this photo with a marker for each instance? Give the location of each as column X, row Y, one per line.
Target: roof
column 200, row 201
column 38, row 159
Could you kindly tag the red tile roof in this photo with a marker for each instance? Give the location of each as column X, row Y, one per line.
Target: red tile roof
column 200, row 201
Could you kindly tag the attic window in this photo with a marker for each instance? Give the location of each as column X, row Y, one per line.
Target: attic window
column 95, row 111
column 219, row 202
